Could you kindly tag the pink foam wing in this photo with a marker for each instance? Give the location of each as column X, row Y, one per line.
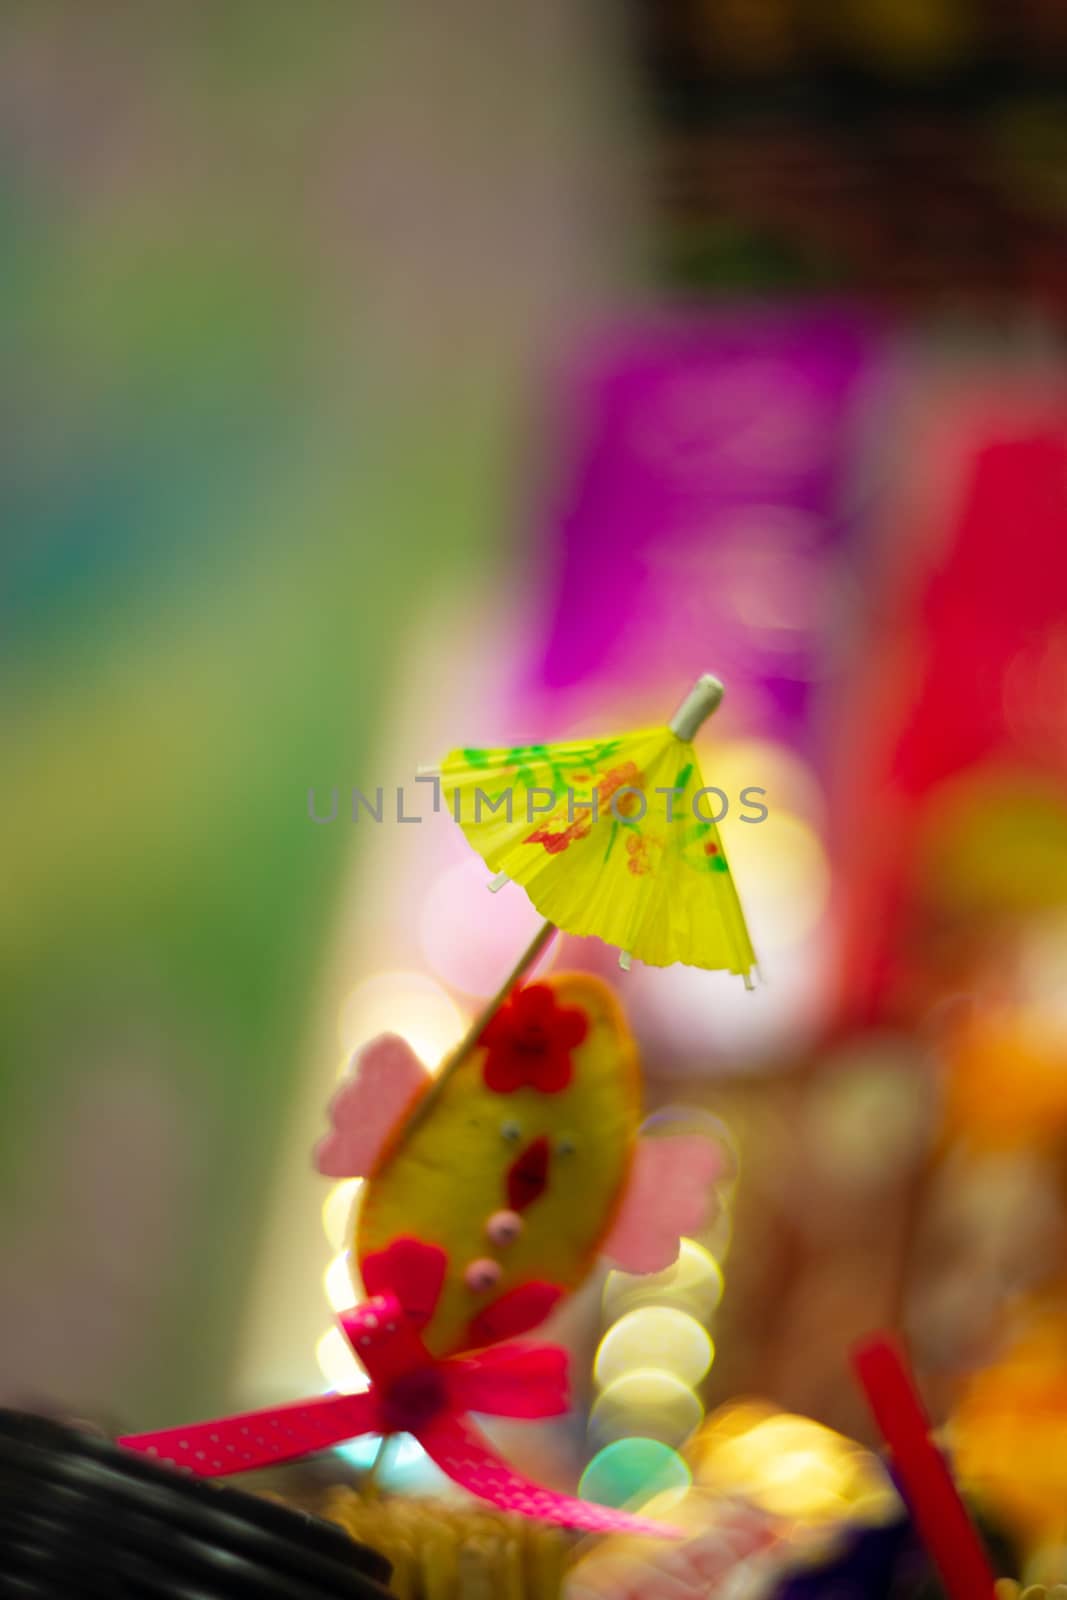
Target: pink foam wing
column 383, row 1080
column 668, row 1195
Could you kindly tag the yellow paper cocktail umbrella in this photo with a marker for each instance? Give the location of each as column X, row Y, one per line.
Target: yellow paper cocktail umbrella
column 612, row 838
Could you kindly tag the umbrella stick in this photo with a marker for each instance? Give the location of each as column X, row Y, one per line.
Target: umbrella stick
column 371, row 1484
column 542, row 938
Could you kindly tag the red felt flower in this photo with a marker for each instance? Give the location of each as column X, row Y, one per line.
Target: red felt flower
column 530, row 1040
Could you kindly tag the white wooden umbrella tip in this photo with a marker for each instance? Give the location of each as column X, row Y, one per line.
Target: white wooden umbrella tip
column 703, row 698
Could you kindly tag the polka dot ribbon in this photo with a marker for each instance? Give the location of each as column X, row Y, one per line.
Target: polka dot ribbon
column 409, row 1392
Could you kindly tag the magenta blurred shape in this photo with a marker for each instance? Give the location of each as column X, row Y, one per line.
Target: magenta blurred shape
column 705, row 521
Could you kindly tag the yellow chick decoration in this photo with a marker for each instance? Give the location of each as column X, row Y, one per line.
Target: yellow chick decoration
column 489, row 1199
column 489, row 1193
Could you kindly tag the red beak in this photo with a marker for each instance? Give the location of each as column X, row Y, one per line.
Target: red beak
column 527, row 1177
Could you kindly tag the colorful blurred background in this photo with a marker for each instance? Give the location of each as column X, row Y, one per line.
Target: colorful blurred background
column 385, row 379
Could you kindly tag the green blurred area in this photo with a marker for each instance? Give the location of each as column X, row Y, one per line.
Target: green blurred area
column 254, row 435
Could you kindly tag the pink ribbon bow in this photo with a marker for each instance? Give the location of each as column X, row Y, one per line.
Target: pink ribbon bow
column 410, row 1392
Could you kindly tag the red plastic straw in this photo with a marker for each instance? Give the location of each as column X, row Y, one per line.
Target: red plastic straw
column 933, row 1499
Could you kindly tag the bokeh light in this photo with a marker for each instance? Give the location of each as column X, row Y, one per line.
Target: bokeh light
column 632, row 1471
column 646, row 1403
column 404, row 1468
column 409, row 1004
column 789, row 782
column 338, row 1364
column 341, row 1292
column 654, row 1336
column 338, row 1212
column 693, row 1283
column 791, row 1466
column 713, row 1026
column 466, row 934
column 783, row 866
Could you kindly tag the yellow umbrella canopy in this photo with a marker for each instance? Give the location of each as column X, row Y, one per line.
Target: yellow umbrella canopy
column 611, row 837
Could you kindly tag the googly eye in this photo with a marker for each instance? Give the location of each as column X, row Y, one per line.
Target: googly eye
column 503, row 1228
column 482, row 1275
column 565, row 1145
column 510, row 1131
